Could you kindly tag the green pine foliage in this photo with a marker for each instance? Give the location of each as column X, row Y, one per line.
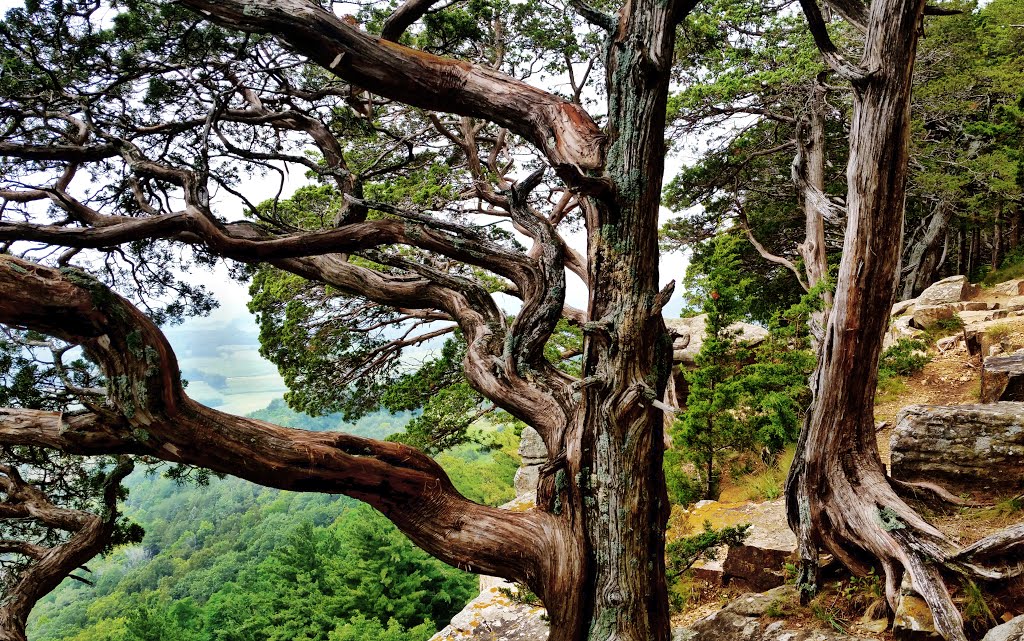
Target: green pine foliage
column 681, row 554
column 741, row 398
column 966, row 141
column 712, row 425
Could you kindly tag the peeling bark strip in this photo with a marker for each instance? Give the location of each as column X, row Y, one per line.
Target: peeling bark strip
column 158, row 419
column 567, row 135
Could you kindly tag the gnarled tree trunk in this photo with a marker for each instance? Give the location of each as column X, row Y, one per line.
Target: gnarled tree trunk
column 926, row 255
column 838, row 495
column 612, row 489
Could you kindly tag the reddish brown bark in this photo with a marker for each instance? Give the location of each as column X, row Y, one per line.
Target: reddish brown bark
column 88, row 535
column 155, row 417
column 595, row 549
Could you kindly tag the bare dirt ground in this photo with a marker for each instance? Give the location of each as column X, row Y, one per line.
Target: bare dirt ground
column 953, row 378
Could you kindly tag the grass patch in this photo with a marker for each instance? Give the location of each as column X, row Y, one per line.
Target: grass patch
column 829, row 615
column 1003, row 334
column 978, row 616
column 945, row 327
column 998, row 332
column 768, row 484
column 1013, row 268
column 890, row 387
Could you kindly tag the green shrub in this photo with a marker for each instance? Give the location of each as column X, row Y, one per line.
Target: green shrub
column 681, row 554
column 1010, row 268
column 904, row 358
column 950, row 324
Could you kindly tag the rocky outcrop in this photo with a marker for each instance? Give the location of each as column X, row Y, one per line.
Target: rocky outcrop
column 948, row 290
column 533, row 454
column 688, row 336
column 1012, row 630
column 926, row 316
column 494, row 616
column 746, row 619
column 1009, row 288
column 974, row 448
column 899, row 328
column 902, row 307
column 756, row 565
column 1002, row 378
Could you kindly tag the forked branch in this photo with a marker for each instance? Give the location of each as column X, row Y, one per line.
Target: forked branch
column 88, row 535
column 566, row 134
column 156, row 418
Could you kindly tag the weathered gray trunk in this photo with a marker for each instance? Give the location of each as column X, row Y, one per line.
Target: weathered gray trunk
column 925, row 257
column 615, row 489
column 816, row 205
column 838, row 496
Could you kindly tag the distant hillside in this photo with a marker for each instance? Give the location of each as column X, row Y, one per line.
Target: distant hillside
column 233, row 561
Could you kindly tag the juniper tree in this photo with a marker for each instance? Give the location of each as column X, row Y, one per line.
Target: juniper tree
column 126, row 128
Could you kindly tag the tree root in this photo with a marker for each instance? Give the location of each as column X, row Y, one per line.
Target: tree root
column 930, row 492
column 866, row 523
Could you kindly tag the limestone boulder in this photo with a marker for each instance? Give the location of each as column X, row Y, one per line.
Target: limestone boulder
column 1002, row 378
column 964, row 448
column 1012, row 630
column 534, row 454
column 526, row 479
column 926, row 316
column 948, row 290
column 1009, row 288
column 913, row 619
column 1014, row 304
column 688, row 336
column 493, row 616
column 899, row 328
column 902, row 307
column 746, row 619
column 531, row 447
column 756, row 565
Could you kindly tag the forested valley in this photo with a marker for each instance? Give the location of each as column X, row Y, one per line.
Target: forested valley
column 229, row 560
column 656, row 242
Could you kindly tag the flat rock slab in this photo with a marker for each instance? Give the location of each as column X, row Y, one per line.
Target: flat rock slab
column 964, row 448
column 757, row 564
column 1002, row 379
column 948, row 290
